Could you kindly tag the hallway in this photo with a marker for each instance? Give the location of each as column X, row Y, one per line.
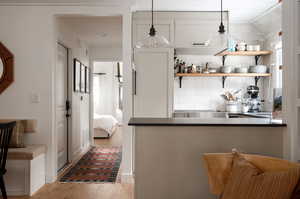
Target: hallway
column 114, row 140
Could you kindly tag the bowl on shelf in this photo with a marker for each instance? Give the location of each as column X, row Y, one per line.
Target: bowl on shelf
column 226, row 69
column 241, row 70
column 253, row 48
column 258, row 69
column 212, row 70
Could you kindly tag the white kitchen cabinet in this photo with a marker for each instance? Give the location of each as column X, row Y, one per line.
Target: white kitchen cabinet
column 194, row 33
column 141, row 29
column 154, row 79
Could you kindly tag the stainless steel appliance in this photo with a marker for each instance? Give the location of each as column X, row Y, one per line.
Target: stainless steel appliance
column 253, row 100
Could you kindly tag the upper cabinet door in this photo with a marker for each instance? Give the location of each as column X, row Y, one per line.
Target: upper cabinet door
column 194, row 33
column 164, row 28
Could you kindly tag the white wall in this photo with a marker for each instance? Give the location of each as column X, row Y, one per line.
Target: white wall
column 29, row 32
column 34, row 53
column 106, row 53
column 106, row 92
column 265, row 24
column 79, row 133
column 203, row 93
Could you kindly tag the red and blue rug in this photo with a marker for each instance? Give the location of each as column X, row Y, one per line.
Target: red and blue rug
column 98, row 165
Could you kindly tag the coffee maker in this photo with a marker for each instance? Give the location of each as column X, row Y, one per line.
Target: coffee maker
column 253, row 99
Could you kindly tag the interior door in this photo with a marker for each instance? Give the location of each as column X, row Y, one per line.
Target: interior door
column 62, row 105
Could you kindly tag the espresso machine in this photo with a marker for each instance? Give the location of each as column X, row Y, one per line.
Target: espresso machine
column 253, row 100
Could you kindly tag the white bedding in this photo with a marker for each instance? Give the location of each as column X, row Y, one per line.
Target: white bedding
column 106, row 124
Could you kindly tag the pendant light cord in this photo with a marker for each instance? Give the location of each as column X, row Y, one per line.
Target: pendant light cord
column 221, row 27
column 221, row 11
column 152, row 29
column 152, row 12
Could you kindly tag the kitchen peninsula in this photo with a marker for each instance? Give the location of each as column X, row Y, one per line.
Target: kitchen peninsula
column 168, row 151
column 188, row 100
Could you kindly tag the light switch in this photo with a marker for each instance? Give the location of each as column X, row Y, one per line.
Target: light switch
column 35, row 98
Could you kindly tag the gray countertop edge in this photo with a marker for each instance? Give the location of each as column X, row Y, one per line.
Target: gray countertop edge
column 204, row 122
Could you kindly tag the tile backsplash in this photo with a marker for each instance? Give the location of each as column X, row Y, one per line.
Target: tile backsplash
column 203, row 93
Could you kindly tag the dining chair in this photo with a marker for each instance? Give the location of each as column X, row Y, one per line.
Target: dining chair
column 6, row 130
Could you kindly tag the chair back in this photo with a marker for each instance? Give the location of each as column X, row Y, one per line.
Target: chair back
column 6, row 130
column 219, row 167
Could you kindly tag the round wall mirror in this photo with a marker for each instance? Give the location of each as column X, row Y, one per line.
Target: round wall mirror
column 6, row 68
column 1, row 69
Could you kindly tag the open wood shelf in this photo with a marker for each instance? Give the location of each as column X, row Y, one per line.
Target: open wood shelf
column 255, row 54
column 223, row 75
column 243, row 53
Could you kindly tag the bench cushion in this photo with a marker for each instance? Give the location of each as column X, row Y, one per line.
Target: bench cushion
column 248, row 182
column 22, row 126
column 28, row 153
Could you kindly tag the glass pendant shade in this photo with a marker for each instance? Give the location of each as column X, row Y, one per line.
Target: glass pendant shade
column 219, row 40
column 155, row 41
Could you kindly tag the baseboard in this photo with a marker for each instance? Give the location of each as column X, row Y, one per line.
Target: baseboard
column 127, row 178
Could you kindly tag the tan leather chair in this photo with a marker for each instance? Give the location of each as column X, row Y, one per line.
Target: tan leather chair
column 219, row 165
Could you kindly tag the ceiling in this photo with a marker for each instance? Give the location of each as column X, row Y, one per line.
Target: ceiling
column 240, row 10
column 266, row 24
column 107, row 31
column 62, row 1
column 97, row 31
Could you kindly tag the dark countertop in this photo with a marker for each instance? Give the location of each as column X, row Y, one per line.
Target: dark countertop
column 247, row 122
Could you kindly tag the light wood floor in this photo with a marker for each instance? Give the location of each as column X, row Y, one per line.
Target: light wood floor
column 83, row 191
column 59, row 190
column 114, row 140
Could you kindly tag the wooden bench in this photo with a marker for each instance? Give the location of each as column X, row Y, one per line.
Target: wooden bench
column 25, row 170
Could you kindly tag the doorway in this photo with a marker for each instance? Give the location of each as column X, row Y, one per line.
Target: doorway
column 88, row 41
column 108, row 103
column 62, row 105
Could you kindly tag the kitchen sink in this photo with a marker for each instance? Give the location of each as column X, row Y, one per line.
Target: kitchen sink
column 213, row 114
column 200, row 114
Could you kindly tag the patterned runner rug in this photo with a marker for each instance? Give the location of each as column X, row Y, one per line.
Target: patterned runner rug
column 98, row 165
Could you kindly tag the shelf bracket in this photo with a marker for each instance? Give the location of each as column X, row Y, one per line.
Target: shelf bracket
column 257, row 59
column 256, row 80
column 180, row 82
column 223, row 81
column 224, row 59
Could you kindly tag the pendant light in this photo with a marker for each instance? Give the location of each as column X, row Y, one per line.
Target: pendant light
column 222, row 27
column 153, row 40
column 220, row 39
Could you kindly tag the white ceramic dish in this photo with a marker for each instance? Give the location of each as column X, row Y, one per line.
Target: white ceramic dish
column 250, row 48
column 226, row 69
column 212, row 70
column 258, row 69
column 241, row 70
column 256, row 48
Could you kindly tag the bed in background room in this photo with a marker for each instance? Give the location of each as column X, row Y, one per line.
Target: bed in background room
column 104, row 126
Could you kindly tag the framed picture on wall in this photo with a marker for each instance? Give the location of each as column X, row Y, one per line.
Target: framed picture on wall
column 82, row 78
column 77, row 71
column 87, row 80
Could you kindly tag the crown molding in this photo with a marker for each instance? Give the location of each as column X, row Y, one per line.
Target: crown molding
column 92, row 4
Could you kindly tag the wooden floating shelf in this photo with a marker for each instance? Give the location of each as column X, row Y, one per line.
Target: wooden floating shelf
column 255, row 54
column 243, row 53
column 256, row 76
column 223, row 75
